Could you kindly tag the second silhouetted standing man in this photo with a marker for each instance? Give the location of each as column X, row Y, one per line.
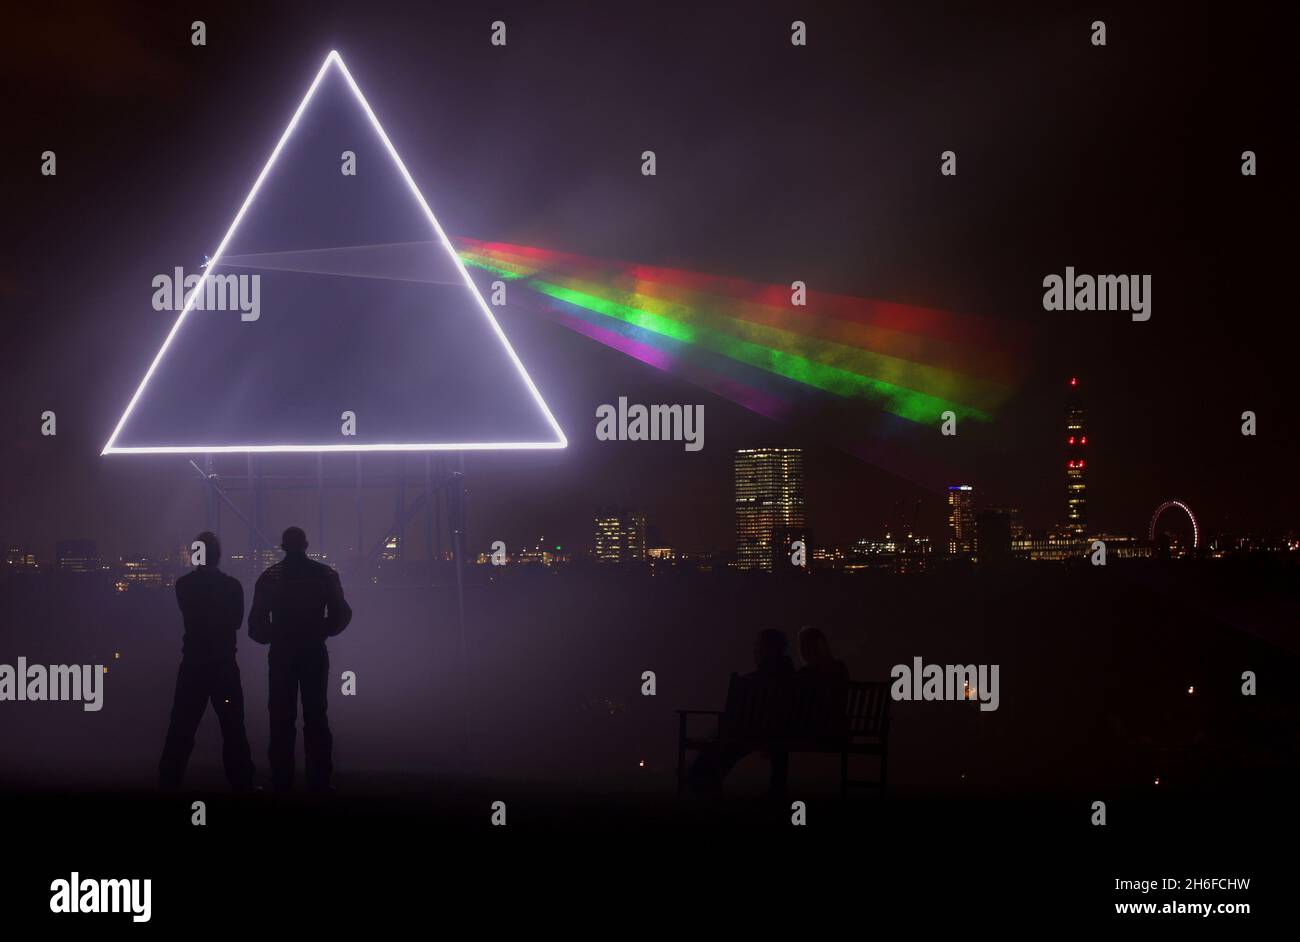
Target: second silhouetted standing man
column 297, row 604
column 212, row 607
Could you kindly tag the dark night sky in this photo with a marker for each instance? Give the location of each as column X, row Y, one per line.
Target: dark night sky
column 775, row 163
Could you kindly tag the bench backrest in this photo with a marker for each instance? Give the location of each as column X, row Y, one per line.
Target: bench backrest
column 802, row 706
column 868, row 708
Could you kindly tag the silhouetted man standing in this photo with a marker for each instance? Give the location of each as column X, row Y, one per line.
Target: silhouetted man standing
column 297, row 604
column 212, row 607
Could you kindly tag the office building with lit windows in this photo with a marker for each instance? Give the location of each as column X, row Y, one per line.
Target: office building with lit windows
column 961, row 520
column 619, row 536
column 770, row 502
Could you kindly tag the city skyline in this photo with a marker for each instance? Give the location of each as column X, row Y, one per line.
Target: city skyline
column 1074, row 515
column 769, row 500
column 826, row 468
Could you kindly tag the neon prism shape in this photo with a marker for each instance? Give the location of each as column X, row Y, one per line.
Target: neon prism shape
column 559, row 440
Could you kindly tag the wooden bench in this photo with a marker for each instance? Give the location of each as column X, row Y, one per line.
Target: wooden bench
column 799, row 712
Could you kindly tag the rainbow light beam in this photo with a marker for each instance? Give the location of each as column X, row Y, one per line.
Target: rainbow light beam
column 745, row 341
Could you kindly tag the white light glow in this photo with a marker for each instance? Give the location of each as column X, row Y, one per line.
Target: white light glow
column 336, row 60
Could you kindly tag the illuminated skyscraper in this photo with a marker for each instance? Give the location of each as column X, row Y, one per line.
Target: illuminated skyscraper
column 961, row 520
column 1076, row 437
column 620, row 536
column 769, row 502
column 634, row 535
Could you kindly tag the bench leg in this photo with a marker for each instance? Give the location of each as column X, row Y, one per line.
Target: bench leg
column 844, row 775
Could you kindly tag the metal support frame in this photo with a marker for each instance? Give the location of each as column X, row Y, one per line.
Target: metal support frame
column 360, row 519
column 435, row 486
column 458, row 539
column 320, row 503
column 216, row 495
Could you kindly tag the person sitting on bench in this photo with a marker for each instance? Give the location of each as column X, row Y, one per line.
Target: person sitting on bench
column 816, row 653
column 711, row 766
column 815, row 650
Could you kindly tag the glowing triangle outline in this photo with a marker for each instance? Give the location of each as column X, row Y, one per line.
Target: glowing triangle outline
column 335, row 59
